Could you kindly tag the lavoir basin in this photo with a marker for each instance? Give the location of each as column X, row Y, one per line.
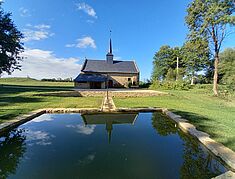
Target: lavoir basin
column 100, row 146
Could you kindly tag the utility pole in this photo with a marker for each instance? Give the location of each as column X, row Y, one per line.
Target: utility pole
column 177, row 68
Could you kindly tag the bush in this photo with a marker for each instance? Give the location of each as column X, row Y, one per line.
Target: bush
column 171, row 85
column 143, row 84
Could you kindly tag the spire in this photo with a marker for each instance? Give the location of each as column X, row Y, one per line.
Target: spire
column 110, row 46
column 109, row 56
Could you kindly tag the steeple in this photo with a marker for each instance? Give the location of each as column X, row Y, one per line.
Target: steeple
column 110, row 46
column 109, row 56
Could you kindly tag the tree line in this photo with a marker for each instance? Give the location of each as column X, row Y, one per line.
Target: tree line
column 209, row 22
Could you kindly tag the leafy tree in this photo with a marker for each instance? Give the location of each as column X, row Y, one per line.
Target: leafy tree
column 165, row 62
column 227, row 67
column 196, row 56
column 10, row 45
column 210, row 19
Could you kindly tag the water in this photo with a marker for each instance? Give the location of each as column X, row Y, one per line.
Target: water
column 139, row 146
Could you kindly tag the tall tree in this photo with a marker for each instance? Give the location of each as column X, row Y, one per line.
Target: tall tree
column 227, row 67
column 196, row 56
column 210, row 19
column 10, row 45
column 165, row 62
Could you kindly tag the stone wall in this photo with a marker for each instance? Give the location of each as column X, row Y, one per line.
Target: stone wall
column 82, row 85
column 97, row 93
column 86, row 85
column 122, row 80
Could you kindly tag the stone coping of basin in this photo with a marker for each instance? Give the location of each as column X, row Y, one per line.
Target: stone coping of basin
column 227, row 155
column 226, row 175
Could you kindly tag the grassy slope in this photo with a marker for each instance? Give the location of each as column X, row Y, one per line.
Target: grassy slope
column 214, row 115
column 33, row 82
column 15, row 100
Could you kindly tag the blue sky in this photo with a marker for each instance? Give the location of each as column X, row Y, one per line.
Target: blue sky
column 60, row 34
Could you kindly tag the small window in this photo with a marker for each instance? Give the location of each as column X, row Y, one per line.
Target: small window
column 129, row 79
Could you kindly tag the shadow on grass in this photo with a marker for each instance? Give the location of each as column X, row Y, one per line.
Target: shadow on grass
column 8, row 114
column 4, row 101
column 61, row 94
column 15, row 89
column 207, row 125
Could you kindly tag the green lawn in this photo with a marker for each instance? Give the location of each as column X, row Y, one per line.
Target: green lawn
column 33, row 82
column 213, row 115
column 20, row 96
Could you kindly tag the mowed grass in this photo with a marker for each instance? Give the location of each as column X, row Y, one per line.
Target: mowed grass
column 19, row 96
column 214, row 115
column 34, row 83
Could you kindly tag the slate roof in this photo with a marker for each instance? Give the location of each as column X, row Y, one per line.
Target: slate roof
column 102, row 66
column 109, row 118
column 90, row 78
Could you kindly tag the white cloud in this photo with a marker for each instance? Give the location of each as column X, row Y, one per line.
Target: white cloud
column 42, row 26
column 87, row 9
column 42, row 118
column 70, row 45
column 86, row 130
column 84, row 42
column 40, row 64
column 88, row 159
column 38, row 137
column 90, row 21
column 37, row 32
column 24, row 12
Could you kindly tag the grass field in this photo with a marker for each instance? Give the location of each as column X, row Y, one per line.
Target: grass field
column 213, row 115
column 20, row 96
column 33, row 82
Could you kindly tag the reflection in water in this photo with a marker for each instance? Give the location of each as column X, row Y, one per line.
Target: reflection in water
column 197, row 162
column 87, row 160
column 12, row 148
column 72, row 146
column 86, row 130
column 163, row 125
column 109, row 120
column 38, row 137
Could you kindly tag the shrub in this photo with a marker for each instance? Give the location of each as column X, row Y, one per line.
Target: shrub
column 143, row 84
column 171, row 85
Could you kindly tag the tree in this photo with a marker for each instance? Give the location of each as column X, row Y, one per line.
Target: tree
column 10, row 45
column 210, row 19
column 227, row 67
column 165, row 62
column 196, row 56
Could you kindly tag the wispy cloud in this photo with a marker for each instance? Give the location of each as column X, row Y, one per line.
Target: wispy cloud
column 24, row 12
column 84, row 42
column 37, row 32
column 90, row 21
column 87, row 9
column 39, row 137
column 44, row 64
column 86, row 130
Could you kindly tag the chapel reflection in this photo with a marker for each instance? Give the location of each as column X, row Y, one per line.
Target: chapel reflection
column 109, row 120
